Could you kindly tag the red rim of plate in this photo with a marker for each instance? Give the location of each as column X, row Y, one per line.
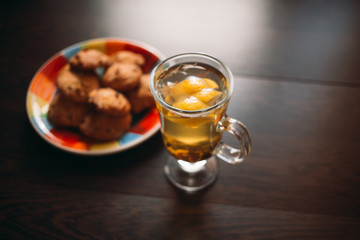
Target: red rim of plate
column 43, row 88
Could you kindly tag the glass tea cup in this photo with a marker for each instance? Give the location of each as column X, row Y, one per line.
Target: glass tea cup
column 192, row 92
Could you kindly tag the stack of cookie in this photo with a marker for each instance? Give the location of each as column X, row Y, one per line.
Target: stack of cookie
column 101, row 106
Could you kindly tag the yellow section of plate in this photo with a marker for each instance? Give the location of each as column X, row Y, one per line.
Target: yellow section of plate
column 36, row 105
column 99, row 45
column 105, row 146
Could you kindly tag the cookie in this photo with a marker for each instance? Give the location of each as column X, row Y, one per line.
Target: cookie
column 109, row 101
column 89, row 59
column 103, row 127
column 128, row 57
column 141, row 98
column 123, row 77
column 76, row 85
column 66, row 113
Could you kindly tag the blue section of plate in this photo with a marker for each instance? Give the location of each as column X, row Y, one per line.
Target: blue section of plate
column 46, row 122
column 100, row 72
column 42, row 124
column 129, row 137
column 37, row 125
column 69, row 52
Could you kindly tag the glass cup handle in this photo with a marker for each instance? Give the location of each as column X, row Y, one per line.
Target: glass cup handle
column 228, row 153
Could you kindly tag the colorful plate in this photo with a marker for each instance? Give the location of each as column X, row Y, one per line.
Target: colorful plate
column 43, row 88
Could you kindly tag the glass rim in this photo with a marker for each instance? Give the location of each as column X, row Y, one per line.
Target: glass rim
column 191, row 112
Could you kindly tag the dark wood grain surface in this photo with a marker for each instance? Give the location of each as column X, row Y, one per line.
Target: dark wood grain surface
column 297, row 89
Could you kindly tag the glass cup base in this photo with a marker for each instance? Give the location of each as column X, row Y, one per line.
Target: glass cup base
column 191, row 177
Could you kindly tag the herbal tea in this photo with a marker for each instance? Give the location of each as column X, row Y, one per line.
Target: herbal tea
column 192, row 91
column 191, row 87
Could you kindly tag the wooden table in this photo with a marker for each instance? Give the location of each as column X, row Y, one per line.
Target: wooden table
column 297, row 88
